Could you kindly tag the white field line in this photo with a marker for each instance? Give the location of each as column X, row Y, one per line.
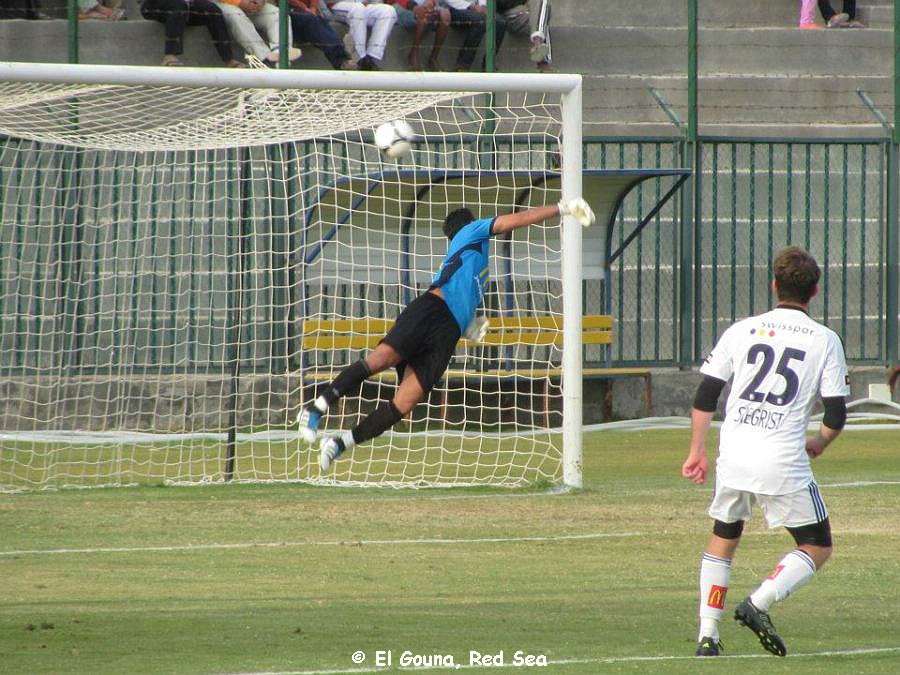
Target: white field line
column 336, row 542
column 598, row 660
column 860, row 483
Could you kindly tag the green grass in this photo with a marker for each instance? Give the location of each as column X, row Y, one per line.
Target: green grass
column 605, row 582
column 455, row 460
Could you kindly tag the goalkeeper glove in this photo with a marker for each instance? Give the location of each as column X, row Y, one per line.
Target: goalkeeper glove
column 579, row 208
column 477, row 329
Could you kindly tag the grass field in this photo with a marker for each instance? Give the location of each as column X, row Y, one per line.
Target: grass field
column 291, row 578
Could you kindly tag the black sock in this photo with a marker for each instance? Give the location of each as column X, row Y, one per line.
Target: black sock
column 377, row 422
column 347, row 381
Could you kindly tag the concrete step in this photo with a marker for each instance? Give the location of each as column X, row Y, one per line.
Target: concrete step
column 732, row 99
column 663, row 51
column 648, row 13
column 711, row 13
column 876, row 15
column 140, row 42
column 785, row 81
column 615, row 51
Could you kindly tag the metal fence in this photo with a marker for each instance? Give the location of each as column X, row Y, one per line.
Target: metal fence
column 751, row 197
column 703, row 261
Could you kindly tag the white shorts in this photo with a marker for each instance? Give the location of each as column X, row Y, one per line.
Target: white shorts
column 795, row 509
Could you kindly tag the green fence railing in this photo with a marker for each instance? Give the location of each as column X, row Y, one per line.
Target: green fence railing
column 79, row 290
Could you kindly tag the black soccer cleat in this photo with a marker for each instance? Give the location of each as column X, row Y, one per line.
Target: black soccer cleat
column 760, row 623
column 709, row 647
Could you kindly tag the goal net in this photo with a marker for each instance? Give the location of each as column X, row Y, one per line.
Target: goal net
column 186, row 257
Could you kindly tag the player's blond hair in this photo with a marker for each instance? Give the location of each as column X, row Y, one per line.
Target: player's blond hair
column 796, row 275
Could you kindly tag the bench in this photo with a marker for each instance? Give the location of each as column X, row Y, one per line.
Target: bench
column 360, row 334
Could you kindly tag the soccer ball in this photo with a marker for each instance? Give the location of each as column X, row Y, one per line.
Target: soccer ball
column 395, row 138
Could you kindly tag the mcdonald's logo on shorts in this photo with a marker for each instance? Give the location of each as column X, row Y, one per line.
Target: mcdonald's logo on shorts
column 716, row 597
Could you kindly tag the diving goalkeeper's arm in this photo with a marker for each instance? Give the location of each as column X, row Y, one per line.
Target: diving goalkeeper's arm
column 578, row 208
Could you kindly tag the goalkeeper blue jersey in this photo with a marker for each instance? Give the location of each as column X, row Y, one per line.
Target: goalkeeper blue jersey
column 463, row 275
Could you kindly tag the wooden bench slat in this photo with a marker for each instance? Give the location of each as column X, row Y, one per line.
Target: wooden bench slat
column 506, row 331
column 325, row 342
column 330, row 334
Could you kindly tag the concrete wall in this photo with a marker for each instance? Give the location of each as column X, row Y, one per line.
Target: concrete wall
column 759, row 73
column 178, row 403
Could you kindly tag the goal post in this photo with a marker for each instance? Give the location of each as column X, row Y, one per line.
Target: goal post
column 171, row 237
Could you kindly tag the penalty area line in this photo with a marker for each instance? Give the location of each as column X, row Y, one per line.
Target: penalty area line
column 598, row 660
column 336, row 542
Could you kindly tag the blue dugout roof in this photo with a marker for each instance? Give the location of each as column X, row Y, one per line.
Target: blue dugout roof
column 402, row 194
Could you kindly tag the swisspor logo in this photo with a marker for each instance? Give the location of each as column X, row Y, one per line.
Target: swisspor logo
column 716, row 597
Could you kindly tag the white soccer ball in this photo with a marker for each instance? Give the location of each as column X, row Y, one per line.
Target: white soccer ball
column 394, row 138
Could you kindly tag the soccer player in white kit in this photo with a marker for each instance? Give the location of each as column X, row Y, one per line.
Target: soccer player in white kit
column 779, row 363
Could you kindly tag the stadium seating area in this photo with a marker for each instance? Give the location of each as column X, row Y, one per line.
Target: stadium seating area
column 757, row 70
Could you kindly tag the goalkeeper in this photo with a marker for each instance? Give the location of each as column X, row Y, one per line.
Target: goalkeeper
column 423, row 339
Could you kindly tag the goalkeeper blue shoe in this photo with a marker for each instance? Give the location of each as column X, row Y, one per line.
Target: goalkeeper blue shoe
column 330, row 450
column 308, row 419
column 709, row 647
column 759, row 622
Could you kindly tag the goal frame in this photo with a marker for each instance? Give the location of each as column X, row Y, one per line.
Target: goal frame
column 567, row 86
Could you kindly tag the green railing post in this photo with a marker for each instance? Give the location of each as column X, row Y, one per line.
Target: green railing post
column 240, row 225
column 284, row 45
column 72, row 17
column 689, row 206
column 279, row 228
column 490, row 38
column 892, row 242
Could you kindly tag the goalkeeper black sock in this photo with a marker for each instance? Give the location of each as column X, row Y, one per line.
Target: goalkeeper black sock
column 377, row 422
column 347, row 382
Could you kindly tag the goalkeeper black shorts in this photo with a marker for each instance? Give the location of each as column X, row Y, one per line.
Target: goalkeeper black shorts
column 425, row 335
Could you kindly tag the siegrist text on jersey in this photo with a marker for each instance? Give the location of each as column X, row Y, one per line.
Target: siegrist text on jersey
column 759, row 417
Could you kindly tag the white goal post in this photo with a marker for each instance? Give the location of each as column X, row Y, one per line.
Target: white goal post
column 174, row 240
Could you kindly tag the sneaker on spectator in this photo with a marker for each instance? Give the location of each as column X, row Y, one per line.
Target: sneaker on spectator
column 294, row 53
column 350, row 48
column 811, row 26
column 171, row 60
column 368, row 63
column 856, row 23
column 539, row 50
column 103, row 13
column 839, row 20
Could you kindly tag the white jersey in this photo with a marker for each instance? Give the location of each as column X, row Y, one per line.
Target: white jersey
column 781, row 362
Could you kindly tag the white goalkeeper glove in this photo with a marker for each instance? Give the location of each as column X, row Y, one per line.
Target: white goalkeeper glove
column 477, row 329
column 579, row 208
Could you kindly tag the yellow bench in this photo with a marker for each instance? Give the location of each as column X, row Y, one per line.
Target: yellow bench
column 508, row 331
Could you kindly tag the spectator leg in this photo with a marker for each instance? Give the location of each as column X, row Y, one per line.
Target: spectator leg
column 354, row 15
column 241, row 28
column 443, row 26
column 266, row 22
column 499, row 32
column 318, row 32
column 826, row 9
column 807, row 12
column 474, row 25
column 207, row 13
column 173, row 15
column 382, row 19
column 539, row 11
column 421, row 20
